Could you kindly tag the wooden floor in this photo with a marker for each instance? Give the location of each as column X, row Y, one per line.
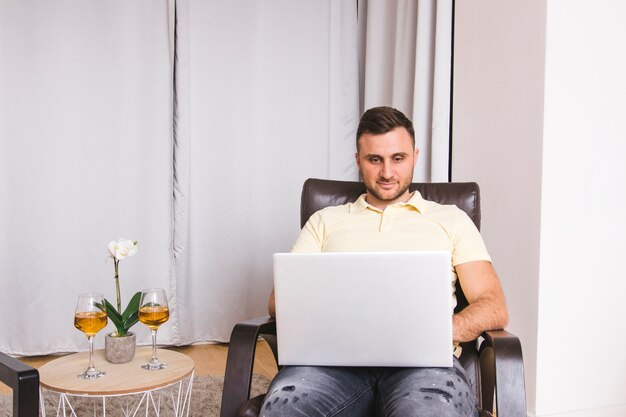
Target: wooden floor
column 209, row 359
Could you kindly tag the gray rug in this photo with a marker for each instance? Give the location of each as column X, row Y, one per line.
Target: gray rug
column 205, row 400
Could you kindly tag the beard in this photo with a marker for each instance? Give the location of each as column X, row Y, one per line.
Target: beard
column 386, row 195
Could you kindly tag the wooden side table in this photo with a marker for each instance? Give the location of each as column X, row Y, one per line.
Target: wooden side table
column 126, row 386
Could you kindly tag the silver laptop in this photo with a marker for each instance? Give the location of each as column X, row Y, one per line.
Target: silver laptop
column 364, row 308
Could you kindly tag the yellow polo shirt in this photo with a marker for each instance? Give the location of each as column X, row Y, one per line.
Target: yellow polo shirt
column 415, row 225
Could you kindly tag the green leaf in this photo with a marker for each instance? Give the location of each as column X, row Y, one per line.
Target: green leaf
column 112, row 312
column 133, row 306
column 132, row 320
column 117, row 322
column 116, row 318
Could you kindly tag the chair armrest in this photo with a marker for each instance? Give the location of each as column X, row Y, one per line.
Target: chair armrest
column 24, row 380
column 502, row 369
column 240, row 361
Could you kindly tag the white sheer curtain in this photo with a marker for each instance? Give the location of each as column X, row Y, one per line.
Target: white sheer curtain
column 85, row 157
column 266, row 95
column 405, row 59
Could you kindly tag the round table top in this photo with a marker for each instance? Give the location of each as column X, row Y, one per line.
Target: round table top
column 60, row 375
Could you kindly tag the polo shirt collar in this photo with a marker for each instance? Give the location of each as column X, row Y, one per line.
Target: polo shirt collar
column 416, row 201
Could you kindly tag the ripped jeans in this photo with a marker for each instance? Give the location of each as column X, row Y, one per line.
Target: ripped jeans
column 358, row 391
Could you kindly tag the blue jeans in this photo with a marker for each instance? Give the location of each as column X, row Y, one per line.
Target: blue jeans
column 357, row 391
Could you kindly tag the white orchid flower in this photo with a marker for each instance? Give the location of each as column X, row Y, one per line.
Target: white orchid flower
column 122, row 248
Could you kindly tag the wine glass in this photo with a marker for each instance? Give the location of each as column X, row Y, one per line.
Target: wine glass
column 90, row 317
column 153, row 312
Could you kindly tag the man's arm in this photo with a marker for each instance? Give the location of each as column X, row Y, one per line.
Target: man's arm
column 309, row 240
column 487, row 306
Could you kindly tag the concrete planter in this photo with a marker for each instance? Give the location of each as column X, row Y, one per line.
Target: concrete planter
column 120, row 349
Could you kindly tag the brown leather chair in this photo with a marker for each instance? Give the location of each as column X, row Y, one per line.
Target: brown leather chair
column 494, row 365
column 24, row 381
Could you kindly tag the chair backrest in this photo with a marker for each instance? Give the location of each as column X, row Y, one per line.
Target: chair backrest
column 318, row 193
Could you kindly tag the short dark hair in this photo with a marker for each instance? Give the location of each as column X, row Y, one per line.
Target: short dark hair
column 383, row 119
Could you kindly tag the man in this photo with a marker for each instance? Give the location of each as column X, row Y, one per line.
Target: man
column 387, row 218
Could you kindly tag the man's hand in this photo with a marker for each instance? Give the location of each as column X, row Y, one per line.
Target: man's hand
column 487, row 306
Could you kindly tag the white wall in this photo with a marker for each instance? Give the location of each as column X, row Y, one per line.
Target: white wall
column 552, row 198
column 583, row 207
column 497, row 129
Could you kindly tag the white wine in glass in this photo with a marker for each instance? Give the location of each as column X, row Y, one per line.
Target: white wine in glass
column 90, row 317
column 153, row 312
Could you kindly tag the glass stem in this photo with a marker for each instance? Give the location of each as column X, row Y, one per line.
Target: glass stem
column 90, row 340
column 154, row 332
